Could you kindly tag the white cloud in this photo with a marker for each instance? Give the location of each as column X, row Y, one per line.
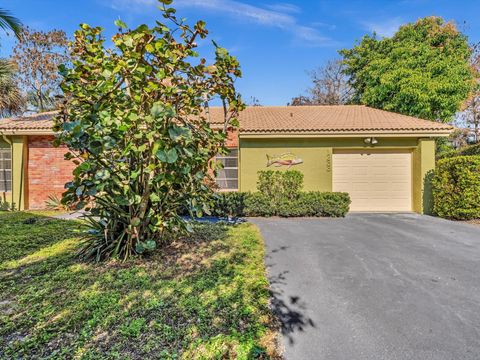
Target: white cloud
column 324, row 25
column 278, row 15
column 285, row 7
column 385, row 28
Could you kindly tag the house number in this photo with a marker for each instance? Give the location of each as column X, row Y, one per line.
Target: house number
column 329, row 162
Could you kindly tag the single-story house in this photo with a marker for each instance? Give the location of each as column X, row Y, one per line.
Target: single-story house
column 380, row 158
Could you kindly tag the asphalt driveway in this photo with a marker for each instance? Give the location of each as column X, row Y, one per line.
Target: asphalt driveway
column 375, row 286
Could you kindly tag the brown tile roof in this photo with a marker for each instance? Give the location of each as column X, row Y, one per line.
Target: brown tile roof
column 328, row 120
column 29, row 123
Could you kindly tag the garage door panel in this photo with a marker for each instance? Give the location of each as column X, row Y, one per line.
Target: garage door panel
column 375, row 180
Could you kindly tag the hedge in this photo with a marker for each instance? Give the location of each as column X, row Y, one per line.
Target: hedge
column 238, row 204
column 456, row 188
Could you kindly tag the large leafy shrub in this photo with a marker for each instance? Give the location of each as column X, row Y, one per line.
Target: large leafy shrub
column 135, row 122
column 456, row 188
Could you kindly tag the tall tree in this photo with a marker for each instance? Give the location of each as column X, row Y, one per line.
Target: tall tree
column 135, row 118
column 423, row 70
column 38, row 55
column 330, row 86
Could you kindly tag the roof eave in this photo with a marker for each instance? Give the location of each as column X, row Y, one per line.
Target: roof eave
column 26, row 132
column 342, row 134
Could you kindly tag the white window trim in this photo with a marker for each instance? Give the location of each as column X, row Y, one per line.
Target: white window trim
column 222, row 157
column 3, row 183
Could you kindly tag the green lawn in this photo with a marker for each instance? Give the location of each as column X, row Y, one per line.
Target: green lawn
column 205, row 297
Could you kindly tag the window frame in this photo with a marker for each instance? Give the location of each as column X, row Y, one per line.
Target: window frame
column 8, row 180
column 226, row 179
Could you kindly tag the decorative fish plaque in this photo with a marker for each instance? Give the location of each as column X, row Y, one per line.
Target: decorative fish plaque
column 286, row 159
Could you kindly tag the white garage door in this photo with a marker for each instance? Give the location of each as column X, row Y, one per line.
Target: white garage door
column 375, row 180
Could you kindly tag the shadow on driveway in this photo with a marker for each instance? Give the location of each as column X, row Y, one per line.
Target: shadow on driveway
column 375, row 286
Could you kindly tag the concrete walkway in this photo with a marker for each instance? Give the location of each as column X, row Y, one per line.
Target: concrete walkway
column 375, row 286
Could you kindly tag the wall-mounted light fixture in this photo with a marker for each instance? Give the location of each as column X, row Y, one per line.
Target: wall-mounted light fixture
column 371, row 141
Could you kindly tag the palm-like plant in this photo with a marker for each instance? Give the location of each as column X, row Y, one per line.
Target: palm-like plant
column 9, row 22
column 11, row 99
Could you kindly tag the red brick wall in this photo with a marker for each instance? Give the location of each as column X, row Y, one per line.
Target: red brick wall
column 232, row 138
column 47, row 171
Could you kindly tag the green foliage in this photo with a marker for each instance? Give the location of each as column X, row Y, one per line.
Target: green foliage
column 327, row 204
column 443, row 147
column 423, row 70
column 470, row 150
column 324, row 204
column 465, row 151
column 278, row 185
column 135, row 126
column 258, row 204
column 54, row 202
column 11, row 98
column 280, row 195
column 456, row 188
column 204, row 297
column 229, row 204
column 9, row 22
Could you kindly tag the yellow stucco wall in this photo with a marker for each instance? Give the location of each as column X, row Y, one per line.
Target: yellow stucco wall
column 316, row 154
column 423, row 165
column 15, row 198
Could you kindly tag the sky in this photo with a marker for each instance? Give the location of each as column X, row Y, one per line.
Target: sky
column 276, row 42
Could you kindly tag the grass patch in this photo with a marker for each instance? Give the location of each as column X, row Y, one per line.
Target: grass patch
column 205, row 297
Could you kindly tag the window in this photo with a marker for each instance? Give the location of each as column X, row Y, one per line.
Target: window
column 5, row 170
column 227, row 178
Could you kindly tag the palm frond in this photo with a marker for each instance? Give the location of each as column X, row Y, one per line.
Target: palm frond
column 10, row 22
column 11, row 98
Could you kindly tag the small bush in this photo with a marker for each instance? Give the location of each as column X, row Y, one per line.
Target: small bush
column 456, row 188
column 279, row 185
column 229, row 204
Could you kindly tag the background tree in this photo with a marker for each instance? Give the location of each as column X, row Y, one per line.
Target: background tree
column 330, row 86
column 135, row 118
column 38, row 55
column 11, row 99
column 470, row 116
column 300, row 100
column 423, row 70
